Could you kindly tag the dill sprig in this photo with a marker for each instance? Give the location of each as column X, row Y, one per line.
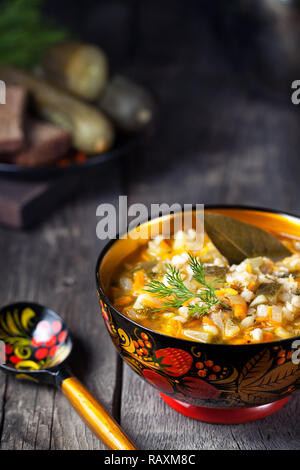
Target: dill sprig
column 25, row 34
column 177, row 293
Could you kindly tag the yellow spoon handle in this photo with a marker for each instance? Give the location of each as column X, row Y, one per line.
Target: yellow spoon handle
column 95, row 416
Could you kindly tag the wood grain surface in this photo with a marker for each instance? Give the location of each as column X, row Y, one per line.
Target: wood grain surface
column 217, row 141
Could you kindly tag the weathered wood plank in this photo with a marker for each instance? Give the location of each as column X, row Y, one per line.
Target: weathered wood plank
column 54, row 264
column 157, row 426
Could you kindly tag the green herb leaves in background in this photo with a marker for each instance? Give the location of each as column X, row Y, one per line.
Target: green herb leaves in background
column 24, row 33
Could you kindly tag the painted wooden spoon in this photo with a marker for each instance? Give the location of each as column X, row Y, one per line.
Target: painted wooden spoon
column 37, row 346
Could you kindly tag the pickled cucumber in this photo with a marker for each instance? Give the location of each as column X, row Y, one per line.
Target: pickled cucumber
column 91, row 131
column 129, row 105
column 80, row 68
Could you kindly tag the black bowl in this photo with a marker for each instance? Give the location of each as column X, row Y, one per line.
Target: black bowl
column 212, row 382
column 124, row 144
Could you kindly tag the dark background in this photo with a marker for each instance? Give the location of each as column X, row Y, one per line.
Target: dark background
column 222, row 74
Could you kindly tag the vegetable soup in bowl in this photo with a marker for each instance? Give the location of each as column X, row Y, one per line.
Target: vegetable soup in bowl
column 212, row 323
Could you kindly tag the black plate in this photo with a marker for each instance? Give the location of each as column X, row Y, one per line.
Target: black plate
column 123, row 145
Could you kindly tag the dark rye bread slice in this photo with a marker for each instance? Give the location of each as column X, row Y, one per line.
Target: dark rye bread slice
column 45, row 144
column 12, row 137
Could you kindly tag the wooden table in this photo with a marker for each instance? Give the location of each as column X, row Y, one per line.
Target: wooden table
column 216, row 142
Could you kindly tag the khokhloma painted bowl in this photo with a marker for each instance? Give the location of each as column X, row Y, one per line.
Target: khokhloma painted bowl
column 211, row 382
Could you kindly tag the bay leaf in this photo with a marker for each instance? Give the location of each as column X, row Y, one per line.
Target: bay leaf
column 238, row 240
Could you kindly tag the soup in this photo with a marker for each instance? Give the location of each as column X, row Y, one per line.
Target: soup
column 187, row 290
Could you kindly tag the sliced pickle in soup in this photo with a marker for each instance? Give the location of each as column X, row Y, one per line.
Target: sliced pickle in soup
column 269, row 289
column 217, row 272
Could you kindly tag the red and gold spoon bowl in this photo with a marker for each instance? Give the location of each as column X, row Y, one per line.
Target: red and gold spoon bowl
column 37, row 346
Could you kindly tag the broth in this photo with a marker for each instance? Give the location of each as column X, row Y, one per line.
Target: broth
column 185, row 290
